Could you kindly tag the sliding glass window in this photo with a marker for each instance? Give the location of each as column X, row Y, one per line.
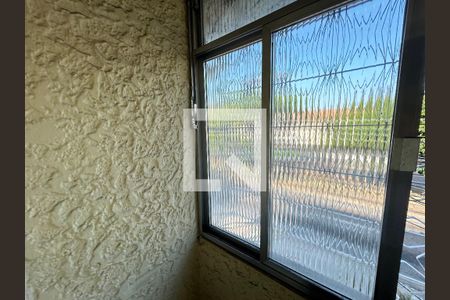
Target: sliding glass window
column 233, row 81
column 340, row 84
column 334, row 83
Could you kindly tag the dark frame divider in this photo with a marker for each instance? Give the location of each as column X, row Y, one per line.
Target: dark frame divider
column 266, row 96
column 405, row 134
column 406, row 121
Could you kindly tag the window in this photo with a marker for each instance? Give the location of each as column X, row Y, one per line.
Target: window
column 336, row 81
column 332, row 109
column 233, row 81
column 222, row 17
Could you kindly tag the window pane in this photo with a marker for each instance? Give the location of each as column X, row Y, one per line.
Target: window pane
column 222, row 17
column 411, row 281
column 233, row 81
column 334, row 87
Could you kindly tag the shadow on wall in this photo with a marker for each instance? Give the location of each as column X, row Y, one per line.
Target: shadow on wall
column 224, row 277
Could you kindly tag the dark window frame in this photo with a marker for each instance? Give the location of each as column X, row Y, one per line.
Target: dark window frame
column 410, row 87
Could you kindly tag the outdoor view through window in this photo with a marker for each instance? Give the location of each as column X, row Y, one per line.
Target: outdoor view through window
column 233, row 81
column 334, row 84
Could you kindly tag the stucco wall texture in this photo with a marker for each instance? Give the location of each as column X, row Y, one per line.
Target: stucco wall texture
column 105, row 214
column 106, row 217
column 225, row 277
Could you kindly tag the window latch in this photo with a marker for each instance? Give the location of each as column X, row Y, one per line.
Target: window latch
column 194, row 122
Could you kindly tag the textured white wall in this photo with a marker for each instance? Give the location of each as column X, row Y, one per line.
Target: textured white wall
column 225, row 277
column 106, row 217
